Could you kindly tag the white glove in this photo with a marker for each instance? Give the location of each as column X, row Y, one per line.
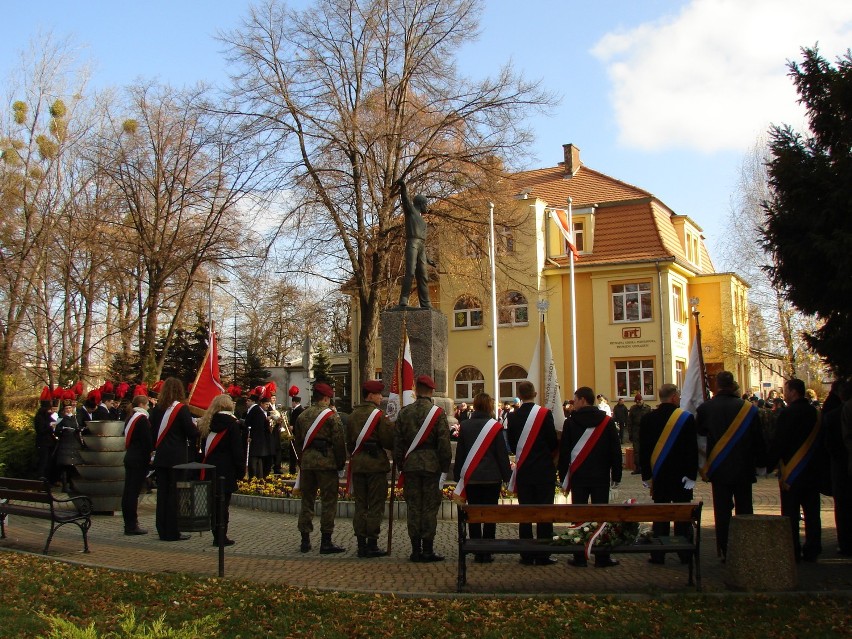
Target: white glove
column 688, row 483
column 442, row 481
column 341, row 473
column 761, row 472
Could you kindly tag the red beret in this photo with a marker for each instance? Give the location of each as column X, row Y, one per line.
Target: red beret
column 373, row 386
column 294, row 390
column 638, row 397
column 425, row 380
column 322, row 388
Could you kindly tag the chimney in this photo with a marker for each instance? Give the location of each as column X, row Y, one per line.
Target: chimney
column 572, row 159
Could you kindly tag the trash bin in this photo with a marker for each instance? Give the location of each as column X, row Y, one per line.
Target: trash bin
column 194, row 498
column 629, row 461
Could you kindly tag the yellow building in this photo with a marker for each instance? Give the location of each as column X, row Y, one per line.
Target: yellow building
column 637, row 268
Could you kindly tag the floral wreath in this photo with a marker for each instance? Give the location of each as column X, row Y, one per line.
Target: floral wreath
column 592, row 533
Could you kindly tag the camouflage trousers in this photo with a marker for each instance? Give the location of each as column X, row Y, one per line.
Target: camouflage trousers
column 370, row 491
column 326, row 482
column 422, row 500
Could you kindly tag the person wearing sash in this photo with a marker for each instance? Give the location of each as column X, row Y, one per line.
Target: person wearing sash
column 321, row 441
column 669, row 446
column 258, row 433
column 222, row 446
column 368, row 435
column 800, row 456
column 531, row 433
column 423, row 454
column 735, row 451
column 138, row 442
column 175, row 435
column 589, row 460
column 482, row 465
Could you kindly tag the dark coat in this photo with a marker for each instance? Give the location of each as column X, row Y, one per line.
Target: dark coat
column 229, row 455
column 44, row 425
column 141, row 444
column 261, row 438
column 84, row 416
column 70, row 442
column 494, row 466
column 795, row 424
column 712, row 420
column 603, row 463
column 538, row 467
column 102, row 414
column 180, row 439
column 682, row 460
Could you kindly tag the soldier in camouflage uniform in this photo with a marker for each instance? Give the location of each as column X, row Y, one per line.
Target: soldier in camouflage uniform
column 369, row 467
column 321, row 461
column 425, row 469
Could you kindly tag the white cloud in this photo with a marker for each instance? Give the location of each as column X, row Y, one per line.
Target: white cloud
column 714, row 76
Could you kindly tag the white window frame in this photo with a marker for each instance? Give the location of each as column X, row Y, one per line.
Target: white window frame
column 472, row 386
column 621, row 299
column 512, row 310
column 467, row 313
column 646, row 370
column 512, row 381
column 679, row 304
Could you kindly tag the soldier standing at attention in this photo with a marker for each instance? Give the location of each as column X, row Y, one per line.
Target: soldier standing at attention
column 423, row 454
column 319, row 436
column 368, row 435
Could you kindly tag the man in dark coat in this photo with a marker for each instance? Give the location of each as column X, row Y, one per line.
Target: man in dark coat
column 258, row 433
column 534, row 478
column 732, row 472
column 670, row 473
column 798, row 451
column 620, row 415
column 634, row 425
column 590, row 434
column 138, row 442
column 841, row 477
column 295, row 410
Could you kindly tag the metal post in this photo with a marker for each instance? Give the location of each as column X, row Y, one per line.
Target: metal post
column 492, row 257
column 220, row 524
column 573, row 302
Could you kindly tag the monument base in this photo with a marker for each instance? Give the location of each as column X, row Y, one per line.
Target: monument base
column 427, row 336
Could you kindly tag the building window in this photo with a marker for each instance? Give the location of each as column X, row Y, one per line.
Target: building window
column 631, row 302
column 467, row 313
column 505, row 240
column 579, row 237
column 513, row 310
column 678, row 304
column 510, row 377
column 469, row 382
column 693, row 248
column 680, row 369
column 635, row 376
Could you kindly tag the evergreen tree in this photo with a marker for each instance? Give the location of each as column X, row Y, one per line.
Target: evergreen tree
column 125, row 367
column 253, row 374
column 809, row 227
column 186, row 352
column 322, row 366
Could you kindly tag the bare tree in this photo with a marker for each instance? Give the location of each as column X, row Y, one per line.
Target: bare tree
column 360, row 94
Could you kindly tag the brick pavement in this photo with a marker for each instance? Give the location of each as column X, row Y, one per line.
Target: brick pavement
column 267, row 551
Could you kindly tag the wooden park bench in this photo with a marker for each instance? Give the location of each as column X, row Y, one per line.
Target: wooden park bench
column 34, row 498
column 575, row 514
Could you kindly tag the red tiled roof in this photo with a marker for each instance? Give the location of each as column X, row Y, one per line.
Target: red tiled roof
column 585, row 187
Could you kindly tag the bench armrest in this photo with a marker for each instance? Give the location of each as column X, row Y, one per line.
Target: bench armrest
column 81, row 502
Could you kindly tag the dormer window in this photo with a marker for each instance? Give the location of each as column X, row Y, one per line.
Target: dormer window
column 693, row 247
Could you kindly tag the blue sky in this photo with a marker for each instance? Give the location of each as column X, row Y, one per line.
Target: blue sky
column 667, row 95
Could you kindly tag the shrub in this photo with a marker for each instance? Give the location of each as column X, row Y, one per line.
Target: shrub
column 130, row 627
column 18, row 453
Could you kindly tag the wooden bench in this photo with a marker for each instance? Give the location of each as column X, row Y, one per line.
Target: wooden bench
column 578, row 513
column 33, row 498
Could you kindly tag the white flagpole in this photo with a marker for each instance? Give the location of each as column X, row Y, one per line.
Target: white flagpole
column 573, row 304
column 493, row 260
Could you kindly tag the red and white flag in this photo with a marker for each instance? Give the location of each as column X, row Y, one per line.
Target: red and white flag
column 207, row 383
column 560, row 216
column 402, row 385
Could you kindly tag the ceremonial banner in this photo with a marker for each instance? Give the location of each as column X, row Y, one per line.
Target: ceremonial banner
column 207, row 383
column 561, row 218
column 402, row 385
column 550, row 395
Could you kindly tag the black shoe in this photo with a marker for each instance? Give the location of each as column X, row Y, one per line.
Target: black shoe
column 327, row 547
column 657, row 560
column 373, row 549
column 579, row 563
column 608, row 563
column 636, row 472
column 305, row 546
column 135, row 531
column 545, row 561
column 483, row 558
column 228, row 542
column 429, row 557
column 527, row 561
column 178, row 538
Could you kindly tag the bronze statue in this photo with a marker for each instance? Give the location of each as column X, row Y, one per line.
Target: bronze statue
column 415, row 247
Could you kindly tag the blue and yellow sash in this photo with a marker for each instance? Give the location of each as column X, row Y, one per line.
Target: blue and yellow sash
column 729, row 439
column 667, row 439
column 789, row 472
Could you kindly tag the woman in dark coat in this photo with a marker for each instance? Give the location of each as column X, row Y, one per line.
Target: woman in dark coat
column 45, row 422
column 175, row 442
column 483, row 486
column 69, row 431
column 222, row 444
column 138, row 442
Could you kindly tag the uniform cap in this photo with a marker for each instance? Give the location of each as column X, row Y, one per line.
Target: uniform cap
column 638, row 397
column 425, row 380
column 373, row 386
column 324, row 389
column 293, row 391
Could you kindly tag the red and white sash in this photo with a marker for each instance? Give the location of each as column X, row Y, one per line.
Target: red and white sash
column 167, row 421
column 366, row 432
column 582, row 448
column 530, row 432
column 210, row 444
column 314, row 428
column 424, row 432
column 474, row 456
column 130, row 426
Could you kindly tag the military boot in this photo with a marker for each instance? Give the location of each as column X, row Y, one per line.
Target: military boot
column 328, row 548
column 373, row 549
column 306, row 542
column 429, row 552
column 416, row 552
column 362, row 547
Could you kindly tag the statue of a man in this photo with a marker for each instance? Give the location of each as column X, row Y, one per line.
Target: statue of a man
column 415, row 247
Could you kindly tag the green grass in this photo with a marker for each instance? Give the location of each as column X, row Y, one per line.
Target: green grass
column 34, row 588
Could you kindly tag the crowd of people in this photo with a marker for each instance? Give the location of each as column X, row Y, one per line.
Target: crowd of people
column 517, row 443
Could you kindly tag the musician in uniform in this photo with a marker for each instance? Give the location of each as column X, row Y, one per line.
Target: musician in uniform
column 319, row 437
column 368, row 435
column 423, row 453
column 138, row 442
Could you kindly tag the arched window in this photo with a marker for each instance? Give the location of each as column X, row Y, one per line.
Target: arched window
column 469, row 382
column 467, row 312
column 510, row 377
column 513, row 310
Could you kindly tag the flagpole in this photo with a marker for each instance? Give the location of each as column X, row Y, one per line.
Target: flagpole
column 573, row 303
column 705, row 387
column 493, row 261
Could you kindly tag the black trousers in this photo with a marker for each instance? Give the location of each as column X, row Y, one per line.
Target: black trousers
column 134, row 479
column 672, row 495
column 484, row 494
column 597, row 495
column 841, row 484
column 807, row 499
column 167, row 506
column 536, row 494
column 726, row 497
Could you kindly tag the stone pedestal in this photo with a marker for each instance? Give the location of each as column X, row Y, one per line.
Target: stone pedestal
column 760, row 554
column 427, row 335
